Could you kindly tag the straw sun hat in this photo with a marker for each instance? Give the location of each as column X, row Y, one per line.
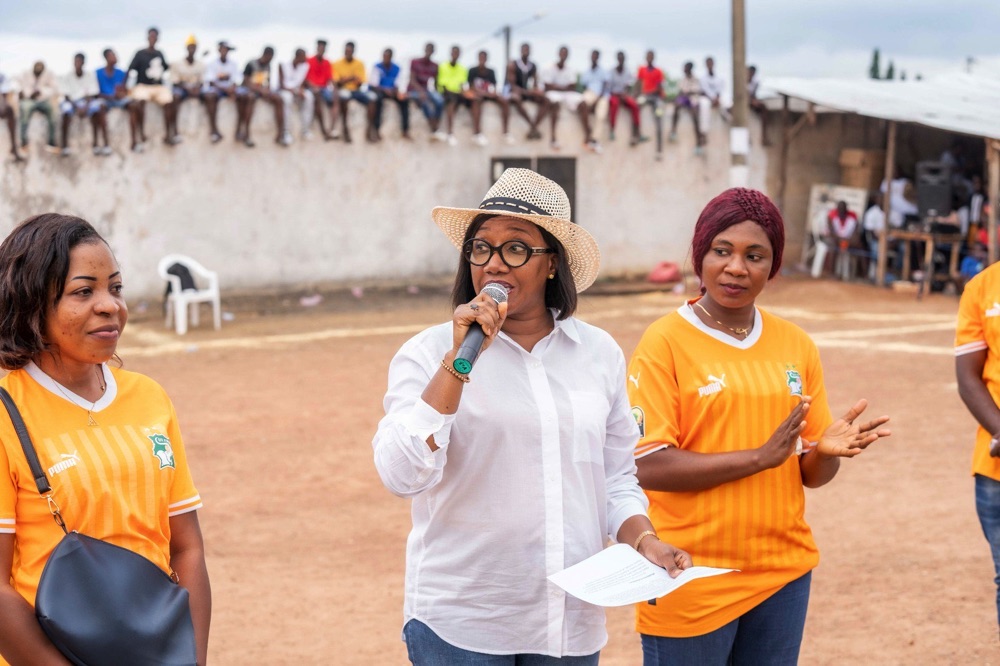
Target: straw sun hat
column 524, row 194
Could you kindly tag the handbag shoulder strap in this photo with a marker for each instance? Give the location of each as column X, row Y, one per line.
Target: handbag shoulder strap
column 41, row 481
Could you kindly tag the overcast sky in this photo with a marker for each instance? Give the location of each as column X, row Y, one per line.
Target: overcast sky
column 785, row 37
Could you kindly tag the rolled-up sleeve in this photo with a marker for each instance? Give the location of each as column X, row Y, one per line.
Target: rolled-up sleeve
column 625, row 497
column 404, row 461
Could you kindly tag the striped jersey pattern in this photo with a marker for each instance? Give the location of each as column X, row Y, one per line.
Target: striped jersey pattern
column 121, row 480
column 698, row 389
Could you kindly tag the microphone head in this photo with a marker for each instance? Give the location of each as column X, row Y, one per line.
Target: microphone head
column 496, row 291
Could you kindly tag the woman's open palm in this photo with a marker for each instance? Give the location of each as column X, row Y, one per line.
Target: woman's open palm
column 847, row 438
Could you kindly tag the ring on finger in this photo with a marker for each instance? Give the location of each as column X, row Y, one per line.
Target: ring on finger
column 474, row 306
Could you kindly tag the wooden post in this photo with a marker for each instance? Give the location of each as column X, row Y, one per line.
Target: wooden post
column 890, row 164
column 993, row 162
column 786, row 142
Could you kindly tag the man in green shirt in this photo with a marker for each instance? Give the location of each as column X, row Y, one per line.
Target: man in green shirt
column 453, row 84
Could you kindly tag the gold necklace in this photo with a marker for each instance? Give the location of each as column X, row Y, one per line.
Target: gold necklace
column 738, row 331
column 90, row 412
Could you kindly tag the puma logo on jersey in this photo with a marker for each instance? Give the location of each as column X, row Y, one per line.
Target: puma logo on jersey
column 714, row 385
column 993, row 311
column 635, row 380
column 68, row 460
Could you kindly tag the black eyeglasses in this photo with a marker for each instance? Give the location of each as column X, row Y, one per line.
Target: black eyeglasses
column 513, row 253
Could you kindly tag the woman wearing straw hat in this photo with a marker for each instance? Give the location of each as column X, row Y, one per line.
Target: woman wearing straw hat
column 736, row 423
column 523, row 467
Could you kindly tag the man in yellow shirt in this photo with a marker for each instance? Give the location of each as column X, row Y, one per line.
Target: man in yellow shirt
column 350, row 77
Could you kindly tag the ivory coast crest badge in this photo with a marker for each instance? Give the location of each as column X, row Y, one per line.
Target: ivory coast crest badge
column 162, row 450
column 794, row 381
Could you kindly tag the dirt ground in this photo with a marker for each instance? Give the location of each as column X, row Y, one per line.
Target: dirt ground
column 305, row 546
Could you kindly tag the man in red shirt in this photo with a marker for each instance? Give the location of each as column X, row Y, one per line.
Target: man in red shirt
column 320, row 81
column 650, row 83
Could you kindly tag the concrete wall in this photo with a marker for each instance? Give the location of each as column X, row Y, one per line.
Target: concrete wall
column 319, row 213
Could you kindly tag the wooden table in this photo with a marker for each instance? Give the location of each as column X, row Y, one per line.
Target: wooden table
column 930, row 240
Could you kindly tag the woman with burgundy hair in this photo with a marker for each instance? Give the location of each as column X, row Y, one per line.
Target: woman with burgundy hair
column 734, row 423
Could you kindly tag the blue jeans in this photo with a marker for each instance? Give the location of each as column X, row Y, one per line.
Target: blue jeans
column 768, row 634
column 432, row 103
column 988, row 508
column 425, row 648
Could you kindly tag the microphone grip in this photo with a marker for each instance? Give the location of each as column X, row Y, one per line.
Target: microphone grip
column 469, row 350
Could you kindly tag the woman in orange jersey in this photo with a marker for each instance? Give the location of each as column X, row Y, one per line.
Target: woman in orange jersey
column 734, row 423
column 107, row 438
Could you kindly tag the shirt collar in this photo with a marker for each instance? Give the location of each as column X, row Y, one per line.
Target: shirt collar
column 568, row 326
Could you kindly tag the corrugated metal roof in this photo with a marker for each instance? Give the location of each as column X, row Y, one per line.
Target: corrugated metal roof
column 964, row 103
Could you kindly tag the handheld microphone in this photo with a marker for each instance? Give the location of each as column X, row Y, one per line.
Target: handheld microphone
column 473, row 341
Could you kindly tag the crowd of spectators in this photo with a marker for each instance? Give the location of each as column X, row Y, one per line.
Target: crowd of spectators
column 847, row 234
column 310, row 91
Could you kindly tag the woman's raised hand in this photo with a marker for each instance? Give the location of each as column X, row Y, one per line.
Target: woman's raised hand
column 781, row 444
column 482, row 310
column 845, row 438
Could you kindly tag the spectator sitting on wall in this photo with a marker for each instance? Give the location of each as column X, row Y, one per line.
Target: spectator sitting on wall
column 757, row 105
column 689, row 92
column 221, row 76
column 8, row 115
column 523, row 86
column 257, row 81
column 350, row 77
column 620, row 84
column 319, row 80
column 453, row 84
column 111, row 83
column 387, row 83
column 483, row 83
column 650, row 88
column 594, row 82
column 295, row 91
column 422, row 89
column 560, row 81
column 712, row 87
column 82, row 98
column 38, row 90
column 149, row 66
column 188, row 74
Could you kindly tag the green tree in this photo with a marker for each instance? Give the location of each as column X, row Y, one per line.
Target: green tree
column 890, row 72
column 874, row 71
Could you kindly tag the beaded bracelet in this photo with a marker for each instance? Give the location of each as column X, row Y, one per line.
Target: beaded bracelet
column 458, row 375
column 643, row 536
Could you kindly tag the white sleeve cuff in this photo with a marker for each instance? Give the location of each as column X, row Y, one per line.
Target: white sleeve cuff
column 423, row 421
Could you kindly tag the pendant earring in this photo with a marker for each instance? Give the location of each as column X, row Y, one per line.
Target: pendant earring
column 552, row 276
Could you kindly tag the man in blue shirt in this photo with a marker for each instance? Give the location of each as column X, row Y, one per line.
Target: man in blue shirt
column 384, row 80
column 111, row 82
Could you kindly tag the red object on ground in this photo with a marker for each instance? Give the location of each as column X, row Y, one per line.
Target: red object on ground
column 664, row 272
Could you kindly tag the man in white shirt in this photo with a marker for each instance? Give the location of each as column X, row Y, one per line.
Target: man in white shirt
column 81, row 98
column 294, row 91
column 221, row 77
column 38, row 92
column 559, row 81
column 688, row 97
column 712, row 87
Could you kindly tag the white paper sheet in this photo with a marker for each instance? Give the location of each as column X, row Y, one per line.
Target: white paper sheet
column 619, row 576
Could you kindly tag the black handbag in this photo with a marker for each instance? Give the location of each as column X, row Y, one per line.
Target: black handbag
column 103, row 605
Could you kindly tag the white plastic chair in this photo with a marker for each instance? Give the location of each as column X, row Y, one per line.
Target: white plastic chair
column 180, row 302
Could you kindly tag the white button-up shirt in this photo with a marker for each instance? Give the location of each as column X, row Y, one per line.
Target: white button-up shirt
column 534, row 473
